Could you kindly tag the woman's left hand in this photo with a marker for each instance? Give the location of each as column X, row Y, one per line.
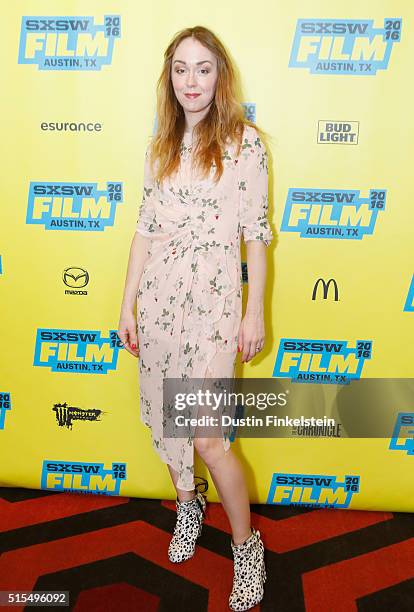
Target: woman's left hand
column 251, row 335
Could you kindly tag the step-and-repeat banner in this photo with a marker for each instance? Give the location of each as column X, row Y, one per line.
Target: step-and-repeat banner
column 332, row 87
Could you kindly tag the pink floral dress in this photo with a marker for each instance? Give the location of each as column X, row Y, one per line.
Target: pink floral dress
column 189, row 299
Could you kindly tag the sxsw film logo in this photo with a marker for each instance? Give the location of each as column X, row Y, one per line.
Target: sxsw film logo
column 80, row 477
column 250, row 110
column 403, row 434
column 244, row 272
column 312, row 490
column 73, row 206
column 325, row 285
column 5, row 404
column 76, row 279
column 68, row 43
column 332, row 213
column 73, row 350
column 321, row 361
column 338, row 132
column 409, row 302
column 344, row 46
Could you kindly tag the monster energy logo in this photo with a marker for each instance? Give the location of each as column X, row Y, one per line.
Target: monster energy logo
column 66, row 414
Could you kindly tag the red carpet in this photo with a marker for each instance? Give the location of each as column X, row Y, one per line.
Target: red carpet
column 110, row 553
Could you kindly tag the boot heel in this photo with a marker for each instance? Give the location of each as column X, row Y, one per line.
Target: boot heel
column 249, row 573
column 187, row 530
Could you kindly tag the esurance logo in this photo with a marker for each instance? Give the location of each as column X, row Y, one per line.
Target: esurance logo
column 321, row 361
column 403, row 434
column 80, row 351
column 344, row 46
column 83, row 477
column 332, row 213
column 68, row 43
column 312, row 490
column 409, row 302
column 73, row 206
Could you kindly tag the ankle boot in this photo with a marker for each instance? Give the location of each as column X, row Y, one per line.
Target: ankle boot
column 249, row 573
column 190, row 516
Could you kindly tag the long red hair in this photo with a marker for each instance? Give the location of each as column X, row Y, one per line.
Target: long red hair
column 225, row 119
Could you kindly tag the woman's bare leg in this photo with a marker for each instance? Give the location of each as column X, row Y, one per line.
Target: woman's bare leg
column 225, row 469
column 228, row 477
column 181, row 493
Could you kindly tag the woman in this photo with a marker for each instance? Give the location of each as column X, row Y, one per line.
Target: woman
column 205, row 183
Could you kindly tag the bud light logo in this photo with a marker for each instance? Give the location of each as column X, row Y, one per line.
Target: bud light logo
column 312, row 490
column 344, row 46
column 409, row 302
column 332, row 213
column 338, row 132
column 73, row 206
column 80, row 477
column 321, row 361
column 403, row 434
column 68, row 43
column 80, row 351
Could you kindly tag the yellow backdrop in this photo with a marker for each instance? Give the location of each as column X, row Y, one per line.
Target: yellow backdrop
column 332, row 86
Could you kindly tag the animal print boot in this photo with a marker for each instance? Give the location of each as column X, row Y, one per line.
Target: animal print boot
column 190, row 516
column 249, row 573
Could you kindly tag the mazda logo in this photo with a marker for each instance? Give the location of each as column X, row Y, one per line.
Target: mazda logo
column 75, row 277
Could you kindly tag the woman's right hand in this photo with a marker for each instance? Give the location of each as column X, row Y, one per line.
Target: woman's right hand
column 127, row 332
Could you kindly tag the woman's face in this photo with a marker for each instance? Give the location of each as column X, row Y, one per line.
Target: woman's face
column 194, row 76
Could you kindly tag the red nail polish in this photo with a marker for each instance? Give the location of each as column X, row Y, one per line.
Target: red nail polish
column 133, row 346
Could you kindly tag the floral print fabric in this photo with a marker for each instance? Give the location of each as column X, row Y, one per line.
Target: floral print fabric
column 189, row 299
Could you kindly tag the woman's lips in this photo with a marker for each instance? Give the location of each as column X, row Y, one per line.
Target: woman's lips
column 192, row 96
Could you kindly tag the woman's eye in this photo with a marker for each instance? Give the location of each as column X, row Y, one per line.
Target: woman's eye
column 202, row 70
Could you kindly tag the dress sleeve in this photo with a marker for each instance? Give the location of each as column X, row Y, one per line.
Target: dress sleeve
column 253, row 184
column 146, row 223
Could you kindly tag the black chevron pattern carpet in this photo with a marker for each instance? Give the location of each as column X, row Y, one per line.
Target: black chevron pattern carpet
column 110, row 553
